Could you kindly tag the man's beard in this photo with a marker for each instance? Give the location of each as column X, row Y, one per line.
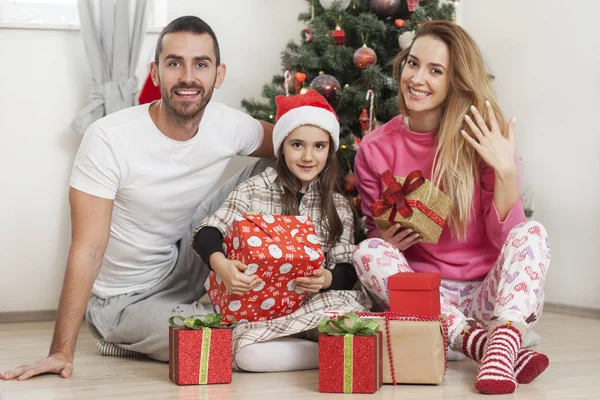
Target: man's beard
column 184, row 112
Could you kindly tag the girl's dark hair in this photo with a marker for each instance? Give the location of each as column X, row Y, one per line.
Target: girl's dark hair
column 328, row 184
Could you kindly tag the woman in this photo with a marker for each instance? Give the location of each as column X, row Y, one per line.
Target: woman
column 491, row 260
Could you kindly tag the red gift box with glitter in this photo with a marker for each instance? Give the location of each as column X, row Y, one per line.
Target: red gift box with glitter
column 199, row 356
column 351, row 363
column 415, row 293
column 276, row 248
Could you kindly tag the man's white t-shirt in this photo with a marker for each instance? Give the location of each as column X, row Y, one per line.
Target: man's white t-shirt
column 156, row 183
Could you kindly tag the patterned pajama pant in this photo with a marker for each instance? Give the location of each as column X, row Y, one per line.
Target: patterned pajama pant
column 513, row 289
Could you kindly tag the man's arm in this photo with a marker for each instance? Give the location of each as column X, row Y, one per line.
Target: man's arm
column 266, row 148
column 90, row 221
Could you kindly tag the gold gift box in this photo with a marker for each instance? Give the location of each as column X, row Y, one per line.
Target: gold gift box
column 429, row 197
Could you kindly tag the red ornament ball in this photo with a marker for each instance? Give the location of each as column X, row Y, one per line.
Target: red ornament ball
column 328, row 87
column 364, row 57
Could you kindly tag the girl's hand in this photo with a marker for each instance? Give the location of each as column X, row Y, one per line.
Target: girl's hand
column 232, row 274
column 400, row 238
column 497, row 151
column 321, row 279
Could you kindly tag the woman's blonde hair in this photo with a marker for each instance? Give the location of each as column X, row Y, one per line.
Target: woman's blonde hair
column 456, row 165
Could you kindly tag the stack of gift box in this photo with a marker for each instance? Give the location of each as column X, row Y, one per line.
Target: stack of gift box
column 413, row 333
column 357, row 352
column 410, row 341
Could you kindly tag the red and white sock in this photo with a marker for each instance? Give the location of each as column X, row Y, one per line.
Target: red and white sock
column 530, row 364
column 473, row 342
column 497, row 367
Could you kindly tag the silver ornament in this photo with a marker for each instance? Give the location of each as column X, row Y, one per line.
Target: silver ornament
column 343, row 4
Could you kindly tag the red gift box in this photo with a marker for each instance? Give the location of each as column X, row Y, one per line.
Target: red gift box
column 276, row 248
column 415, row 293
column 351, row 363
column 199, row 356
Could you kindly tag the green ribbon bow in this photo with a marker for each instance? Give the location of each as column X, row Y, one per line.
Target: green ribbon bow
column 338, row 327
column 210, row 321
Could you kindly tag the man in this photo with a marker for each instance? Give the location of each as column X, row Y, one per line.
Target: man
column 137, row 181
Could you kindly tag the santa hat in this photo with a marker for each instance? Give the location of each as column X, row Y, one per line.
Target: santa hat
column 309, row 108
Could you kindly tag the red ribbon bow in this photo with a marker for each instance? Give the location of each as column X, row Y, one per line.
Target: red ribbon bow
column 394, row 196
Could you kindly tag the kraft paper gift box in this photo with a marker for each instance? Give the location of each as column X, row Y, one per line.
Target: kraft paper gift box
column 415, row 349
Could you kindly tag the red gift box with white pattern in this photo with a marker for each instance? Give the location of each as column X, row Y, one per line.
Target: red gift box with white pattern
column 276, row 248
column 415, row 293
column 364, row 364
column 194, row 361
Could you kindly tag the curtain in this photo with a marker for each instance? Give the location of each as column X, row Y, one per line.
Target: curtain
column 113, row 39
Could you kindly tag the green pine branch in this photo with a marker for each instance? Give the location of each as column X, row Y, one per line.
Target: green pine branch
column 321, row 54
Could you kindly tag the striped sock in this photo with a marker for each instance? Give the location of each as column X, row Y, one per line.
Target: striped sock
column 530, row 364
column 111, row 349
column 497, row 368
column 473, row 342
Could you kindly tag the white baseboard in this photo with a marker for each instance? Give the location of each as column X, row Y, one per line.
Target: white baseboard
column 572, row 310
column 50, row 315
column 28, row 316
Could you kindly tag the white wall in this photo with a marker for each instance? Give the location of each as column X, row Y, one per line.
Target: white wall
column 45, row 80
column 545, row 55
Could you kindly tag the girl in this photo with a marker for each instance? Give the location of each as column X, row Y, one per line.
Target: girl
column 304, row 182
column 491, row 260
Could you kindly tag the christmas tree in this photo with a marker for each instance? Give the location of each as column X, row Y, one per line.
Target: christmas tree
column 345, row 54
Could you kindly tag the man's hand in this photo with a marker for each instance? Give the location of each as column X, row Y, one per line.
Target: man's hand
column 90, row 230
column 321, row 279
column 54, row 364
column 232, row 274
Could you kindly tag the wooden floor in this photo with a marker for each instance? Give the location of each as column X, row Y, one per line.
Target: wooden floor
column 572, row 343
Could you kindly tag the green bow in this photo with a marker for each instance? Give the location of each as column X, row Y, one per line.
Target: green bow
column 209, row 321
column 338, row 326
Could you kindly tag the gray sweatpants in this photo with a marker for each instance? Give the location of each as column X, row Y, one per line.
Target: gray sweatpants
column 138, row 321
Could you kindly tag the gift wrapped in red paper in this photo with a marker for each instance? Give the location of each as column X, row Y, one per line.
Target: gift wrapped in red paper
column 350, row 357
column 276, row 248
column 200, row 350
column 413, row 202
